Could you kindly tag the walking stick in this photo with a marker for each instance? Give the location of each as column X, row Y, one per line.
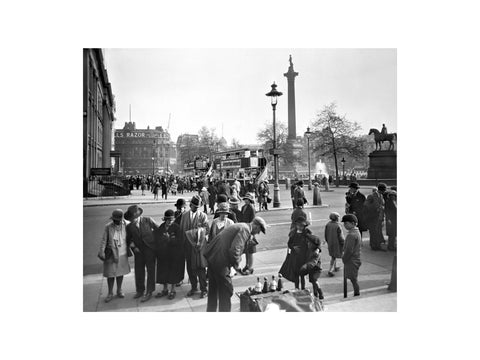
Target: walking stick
column 344, row 283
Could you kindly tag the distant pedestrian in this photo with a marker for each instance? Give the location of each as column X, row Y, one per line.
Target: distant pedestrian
column 140, row 237
column 143, row 186
column 317, row 199
column 114, row 253
column 224, row 252
column 170, row 255
column 248, row 214
column 335, row 240
column 391, row 218
column 374, row 212
column 263, row 196
column 156, row 186
column 299, row 193
column 204, row 195
column 212, row 195
column 351, row 251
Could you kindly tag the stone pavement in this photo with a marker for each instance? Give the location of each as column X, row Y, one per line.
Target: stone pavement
column 373, row 279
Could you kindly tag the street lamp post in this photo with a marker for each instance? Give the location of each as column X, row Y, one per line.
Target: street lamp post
column 308, row 133
column 274, row 94
column 343, row 167
column 153, row 166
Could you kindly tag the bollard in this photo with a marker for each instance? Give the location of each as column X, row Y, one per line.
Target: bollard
column 393, row 279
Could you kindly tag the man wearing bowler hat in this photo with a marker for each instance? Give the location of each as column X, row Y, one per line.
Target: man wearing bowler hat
column 355, row 201
column 140, row 239
column 194, row 228
column 223, row 252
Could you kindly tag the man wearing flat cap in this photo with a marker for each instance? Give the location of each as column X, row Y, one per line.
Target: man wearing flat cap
column 140, row 239
column 223, row 252
column 194, row 229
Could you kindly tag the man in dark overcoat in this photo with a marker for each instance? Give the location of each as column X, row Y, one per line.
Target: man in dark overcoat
column 193, row 228
column 140, row 239
column 355, row 201
column 223, row 252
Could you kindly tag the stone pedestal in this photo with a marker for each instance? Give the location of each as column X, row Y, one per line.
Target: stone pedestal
column 383, row 165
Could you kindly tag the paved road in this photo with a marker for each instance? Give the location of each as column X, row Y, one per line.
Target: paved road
column 94, row 219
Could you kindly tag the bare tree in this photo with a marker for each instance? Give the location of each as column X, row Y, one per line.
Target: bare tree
column 334, row 135
column 265, row 136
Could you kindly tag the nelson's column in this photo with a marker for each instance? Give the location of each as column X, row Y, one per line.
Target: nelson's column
column 293, row 144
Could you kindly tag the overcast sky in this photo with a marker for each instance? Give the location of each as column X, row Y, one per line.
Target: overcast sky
column 212, row 87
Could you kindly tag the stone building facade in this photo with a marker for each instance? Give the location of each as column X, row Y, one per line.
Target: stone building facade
column 98, row 113
column 145, row 151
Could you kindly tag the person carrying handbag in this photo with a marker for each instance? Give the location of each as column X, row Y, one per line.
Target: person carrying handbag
column 114, row 253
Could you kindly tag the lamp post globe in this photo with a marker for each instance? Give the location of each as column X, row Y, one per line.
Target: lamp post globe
column 274, row 94
column 308, row 133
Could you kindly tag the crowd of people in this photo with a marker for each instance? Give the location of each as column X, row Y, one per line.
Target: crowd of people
column 211, row 249
column 184, row 238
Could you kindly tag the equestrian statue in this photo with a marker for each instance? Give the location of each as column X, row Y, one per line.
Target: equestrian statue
column 381, row 136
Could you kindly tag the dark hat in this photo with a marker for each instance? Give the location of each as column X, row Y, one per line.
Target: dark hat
column 249, row 197
column 233, row 201
column 394, row 188
column 117, row 214
column 196, row 201
column 350, row 218
column 180, row 203
column 169, row 214
column 223, row 208
column 300, row 183
column 221, row 198
column 133, row 212
column 382, row 186
column 260, row 222
column 299, row 202
column 354, row 185
column 302, row 220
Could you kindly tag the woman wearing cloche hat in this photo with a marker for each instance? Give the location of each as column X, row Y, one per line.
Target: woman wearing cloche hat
column 221, row 222
column 170, row 255
column 114, row 253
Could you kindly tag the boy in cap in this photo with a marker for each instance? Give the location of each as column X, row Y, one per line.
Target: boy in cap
column 351, row 251
column 312, row 266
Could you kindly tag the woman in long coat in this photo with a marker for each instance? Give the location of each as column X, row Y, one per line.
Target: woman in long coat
column 114, row 253
column 170, row 255
column 297, row 243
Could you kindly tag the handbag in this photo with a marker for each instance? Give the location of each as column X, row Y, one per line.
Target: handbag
column 269, row 199
column 287, row 270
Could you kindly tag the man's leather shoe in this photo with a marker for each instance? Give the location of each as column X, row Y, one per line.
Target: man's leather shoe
column 147, row 297
column 203, row 294
column 138, row 295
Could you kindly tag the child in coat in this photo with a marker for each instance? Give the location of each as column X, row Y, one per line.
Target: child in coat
column 351, row 251
column 312, row 266
column 335, row 240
